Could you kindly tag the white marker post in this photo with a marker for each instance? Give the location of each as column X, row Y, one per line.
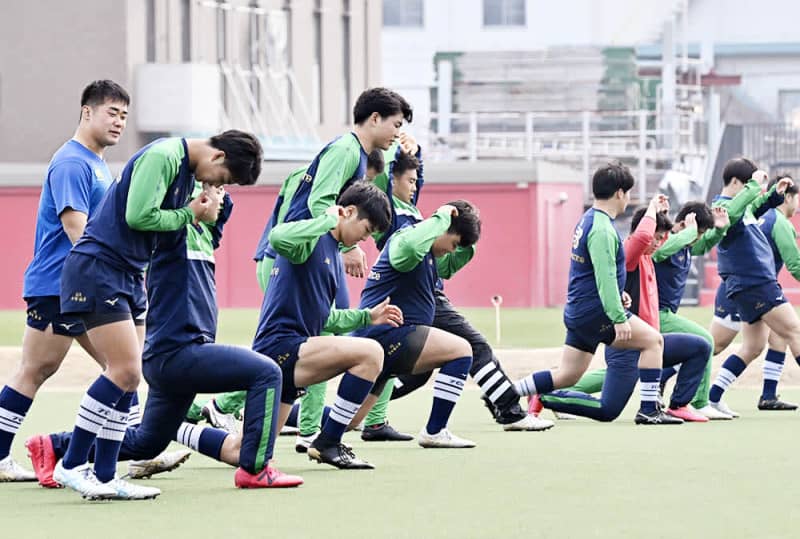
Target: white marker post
column 497, row 301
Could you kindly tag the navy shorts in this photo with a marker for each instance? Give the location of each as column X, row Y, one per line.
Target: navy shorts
column 586, row 334
column 90, row 286
column 725, row 309
column 285, row 351
column 46, row 310
column 753, row 303
column 401, row 349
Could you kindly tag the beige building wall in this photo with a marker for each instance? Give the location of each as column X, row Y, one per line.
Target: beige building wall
column 51, row 49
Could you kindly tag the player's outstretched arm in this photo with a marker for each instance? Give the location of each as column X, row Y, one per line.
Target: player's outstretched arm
column 410, row 245
column 296, row 240
column 738, row 205
column 675, row 242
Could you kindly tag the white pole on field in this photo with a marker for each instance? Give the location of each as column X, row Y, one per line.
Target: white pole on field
column 497, row 301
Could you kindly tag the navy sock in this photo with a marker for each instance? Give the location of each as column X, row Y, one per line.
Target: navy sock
column 731, row 369
column 447, row 387
column 349, row 398
column 773, row 368
column 205, row 440
column 109, row 440
column 538, row 382
column 98, row 404
column 648, row 388
column 13, row 408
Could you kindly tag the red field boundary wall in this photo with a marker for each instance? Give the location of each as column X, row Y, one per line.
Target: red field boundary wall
column 523, row 254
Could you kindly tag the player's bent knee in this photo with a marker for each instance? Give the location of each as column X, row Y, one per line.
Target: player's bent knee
column 462, row 348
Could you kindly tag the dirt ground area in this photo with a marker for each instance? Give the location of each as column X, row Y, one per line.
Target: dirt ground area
column 78, row 369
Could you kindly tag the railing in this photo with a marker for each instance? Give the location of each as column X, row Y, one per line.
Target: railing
column 580, row 138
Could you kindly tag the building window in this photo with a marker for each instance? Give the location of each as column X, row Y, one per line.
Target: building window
column 504, row 12
column 408, row 13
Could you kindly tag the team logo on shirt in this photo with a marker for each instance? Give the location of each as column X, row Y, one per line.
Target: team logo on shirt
column 576, row 237
column 327, row 261
column 98, row 173
column 374, row 276
column 307, row 178
column 78, row 297
column 274, row 271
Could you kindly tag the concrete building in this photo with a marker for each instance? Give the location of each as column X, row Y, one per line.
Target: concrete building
column 288, row 70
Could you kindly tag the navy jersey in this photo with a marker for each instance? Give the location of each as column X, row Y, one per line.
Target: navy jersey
column 597, row 269
column 77, row 179
column 333, row 170
column 108, row 235
column 181, row 276
column 745, row 258
column 671, row 275
column 299, row 297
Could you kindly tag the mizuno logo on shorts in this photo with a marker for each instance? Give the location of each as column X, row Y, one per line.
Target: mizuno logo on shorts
column 112, row 301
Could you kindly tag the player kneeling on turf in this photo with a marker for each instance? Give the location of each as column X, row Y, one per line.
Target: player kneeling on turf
column 297, row 307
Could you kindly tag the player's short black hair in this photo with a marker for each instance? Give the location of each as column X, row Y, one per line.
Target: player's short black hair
column 375, row 160
column 740, row 168
column 372, row 204
column 792, row 190
column 663, row 222
column 702, row 214
column 467, row 224
column 404, row 162
column 243, row 155
column 97, row 92
column 383, row 101
column 610, row 178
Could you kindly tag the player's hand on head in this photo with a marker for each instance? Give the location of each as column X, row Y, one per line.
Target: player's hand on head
column 721, row 218
column 782, row 185
column 334, row 210
column 660, row 203
column 623, row 331
column 690, row 220
column 448, row 208
column 384, row 313
column 355, row 262
column 761, row 177
column 408, row 143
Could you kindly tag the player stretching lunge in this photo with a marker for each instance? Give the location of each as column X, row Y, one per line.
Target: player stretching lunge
column 594, row 311
column 378, row 115
column 297, row 307
column 102, row 283
column 747, row 266
column 407, row 271
column 649, row 226
column 180, row 359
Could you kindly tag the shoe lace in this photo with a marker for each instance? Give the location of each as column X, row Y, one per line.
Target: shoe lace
column 346, row 453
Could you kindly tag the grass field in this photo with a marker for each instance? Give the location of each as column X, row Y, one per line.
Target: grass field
column 580, row 479
column 521, row 328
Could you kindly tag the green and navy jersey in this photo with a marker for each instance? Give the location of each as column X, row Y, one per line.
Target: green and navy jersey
column 181, row 288
column 407, row 272
column 744, row 255
column 782, row 239
column 597, row 270
column 673, row 260
column 308, row 195
column 77, row 179
column 303, row 284
column 149, row 197
column 403, row 213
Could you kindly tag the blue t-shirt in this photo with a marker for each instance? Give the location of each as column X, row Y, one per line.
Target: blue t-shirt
column 76, row 178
